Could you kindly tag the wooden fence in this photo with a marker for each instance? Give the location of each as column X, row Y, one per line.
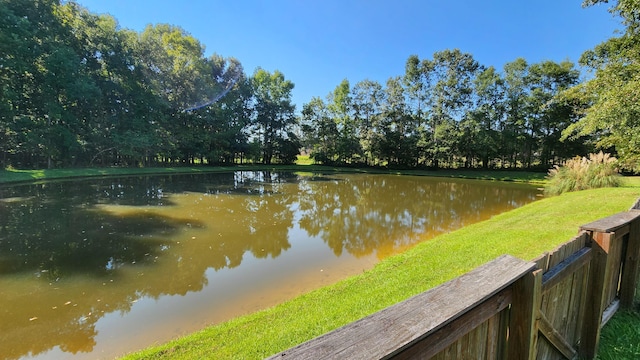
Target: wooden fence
column 550, row 308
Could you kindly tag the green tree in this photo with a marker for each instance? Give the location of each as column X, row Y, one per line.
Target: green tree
column 173, row 63
column 547, row 118
column 77, row 89
column 368, row 97
column 274, row 115
column 418, row 80
column 45, row 88
column 321, row 132
column 16, row 39
column 230, row 117
column 123, row 124
column 450, row 99
column 480, row 134
column 340, row 105
column 398, row 140
column 512, row 129
column 613, row 93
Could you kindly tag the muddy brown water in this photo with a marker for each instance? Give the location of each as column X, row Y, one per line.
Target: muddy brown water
column 98, row 268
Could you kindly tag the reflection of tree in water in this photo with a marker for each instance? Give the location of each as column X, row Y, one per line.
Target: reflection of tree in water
column 54, row 232
column 67, row 236
column 265, row 218
column 57, row 230
column 366, row 214
column 78, row 250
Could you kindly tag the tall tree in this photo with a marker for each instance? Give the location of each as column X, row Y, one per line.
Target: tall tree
column 512, row 130
column 340, row 105
column 223, row 112
column 77, row 89
column 173, row 63
column 547, row 118
column 454, row 72
column 398, row 143
column 367, row 102
column 613, row 94
column 321, row 132
column 480, row 127
column 274, row 116
column 45, row 80
column 418, row 80
column 121, row 125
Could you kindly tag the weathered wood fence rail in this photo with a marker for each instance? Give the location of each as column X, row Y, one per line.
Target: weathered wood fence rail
column 550, row 308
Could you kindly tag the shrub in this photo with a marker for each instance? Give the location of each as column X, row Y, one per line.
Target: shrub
column 580, row 173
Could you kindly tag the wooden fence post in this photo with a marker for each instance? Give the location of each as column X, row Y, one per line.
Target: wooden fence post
column 523, row 332
column 600, row 243
column 629, row 278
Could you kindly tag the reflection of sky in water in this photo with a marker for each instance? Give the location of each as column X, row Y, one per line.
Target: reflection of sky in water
column 114, row 265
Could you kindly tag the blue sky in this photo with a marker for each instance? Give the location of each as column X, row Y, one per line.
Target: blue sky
column 316, row 44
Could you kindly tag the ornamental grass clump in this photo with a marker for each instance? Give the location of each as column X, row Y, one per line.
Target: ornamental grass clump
column 581, row 173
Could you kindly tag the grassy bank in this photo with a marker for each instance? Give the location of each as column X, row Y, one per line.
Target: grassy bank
column 17, row 176
column 525, row 233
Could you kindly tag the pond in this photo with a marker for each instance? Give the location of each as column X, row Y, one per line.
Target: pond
column 98, row 268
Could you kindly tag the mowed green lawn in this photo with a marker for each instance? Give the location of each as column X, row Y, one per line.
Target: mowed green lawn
column 526, row 233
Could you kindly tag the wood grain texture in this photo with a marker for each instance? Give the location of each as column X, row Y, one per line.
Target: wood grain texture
column 463, row 328
column 612, row 223
column 631, row 266
column 397, row 328
column 595, row 296
column 524, row 310
column 566, row 268
column 556, row 338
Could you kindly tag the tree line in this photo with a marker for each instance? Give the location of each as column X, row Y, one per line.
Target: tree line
column 78, row 90
column 449, row 111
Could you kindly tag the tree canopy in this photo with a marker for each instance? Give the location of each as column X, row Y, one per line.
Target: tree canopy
column 448, row 111
column 610, row 100
column 78, row 90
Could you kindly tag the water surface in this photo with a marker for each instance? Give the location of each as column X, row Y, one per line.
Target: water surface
column 97, row 268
